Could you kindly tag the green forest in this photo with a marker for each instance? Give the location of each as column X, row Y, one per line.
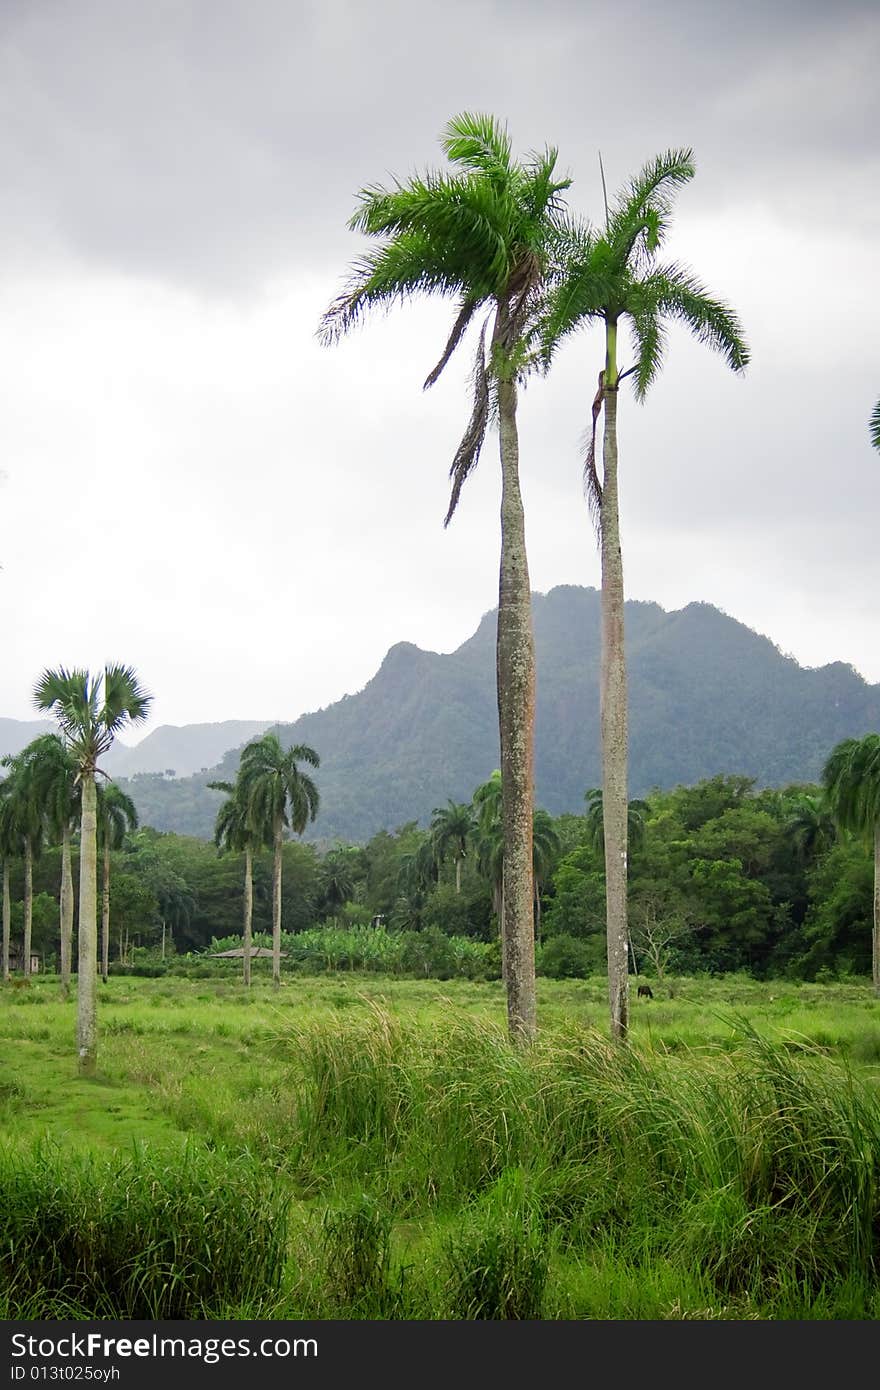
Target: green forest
column 723, row 877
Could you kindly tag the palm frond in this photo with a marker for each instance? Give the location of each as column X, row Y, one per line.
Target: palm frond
column 465, row 314
column 125, row 699
column 678, row 294
column 467, row 454
column 874, row 426
column 592, row 486
column 478, row 142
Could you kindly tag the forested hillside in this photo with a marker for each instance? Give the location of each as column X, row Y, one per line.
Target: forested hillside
column 707, row 696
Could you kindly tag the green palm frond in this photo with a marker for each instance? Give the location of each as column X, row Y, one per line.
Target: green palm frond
column 851, row 777
column 478, row 142
column 678, row 294
column 467, row 455
column 125, row 699
column 874, row 426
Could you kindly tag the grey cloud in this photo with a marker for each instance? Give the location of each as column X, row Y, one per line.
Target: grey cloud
column 219, row 144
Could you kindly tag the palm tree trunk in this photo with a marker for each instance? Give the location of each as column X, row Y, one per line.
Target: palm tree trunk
column 87, row 977
column 248, row 911
column 458, row 874
column 516, row 720
column 66, row 912
column 875, row 953
column 28, row 904
column 613, row 709
column 105, row 915
column 276, row 908
column 7, row 915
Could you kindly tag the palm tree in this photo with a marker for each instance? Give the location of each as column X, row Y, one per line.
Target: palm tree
column 57, row 790
column 611, row 277
column 8, row 851
column 545, row 843
column 874, row 426
column 117, row 815
column 27, row 827
column 336, row 879
column 851, row 777
column 451, row 829
column 480, row 235
column 234, row 832
column 277, row 794
column 636, row 812
column 91, row 710
column 810, row 826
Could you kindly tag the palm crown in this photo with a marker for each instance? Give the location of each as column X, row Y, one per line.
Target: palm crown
column 91, row 710
column 481, row 235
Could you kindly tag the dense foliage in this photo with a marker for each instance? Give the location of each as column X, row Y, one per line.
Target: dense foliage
column 723, row 877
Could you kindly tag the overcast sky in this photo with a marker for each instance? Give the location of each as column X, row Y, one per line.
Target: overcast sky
column 192, row 485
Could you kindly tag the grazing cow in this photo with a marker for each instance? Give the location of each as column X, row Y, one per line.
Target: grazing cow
column 645, row 992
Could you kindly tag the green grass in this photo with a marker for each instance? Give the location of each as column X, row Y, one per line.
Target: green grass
column 414, row 1165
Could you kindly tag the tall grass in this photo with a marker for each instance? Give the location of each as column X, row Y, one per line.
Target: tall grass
column 756, row 1166
column 140, row 1238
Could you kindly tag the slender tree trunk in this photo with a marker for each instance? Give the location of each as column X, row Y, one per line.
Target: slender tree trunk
column 276, row 908
column 537, row 910
column 248, row 911
column 105, row 915
column 458, row 874
column 163, row 938
column 87, row 977
column 66, row 912
column 875, row 953
column 7, row 915
column 516, row 719
column 613, row 709
column 28, row 904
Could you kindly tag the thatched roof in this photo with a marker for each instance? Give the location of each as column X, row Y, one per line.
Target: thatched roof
column 238, row 954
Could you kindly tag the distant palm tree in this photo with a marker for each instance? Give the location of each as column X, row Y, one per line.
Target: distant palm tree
column 636, row 812
column 91, row 711
column 545, row 851
column 481, row 235
column 851, row 777
column 234, row 832
column 57, row 787
column 608, row 278
column 27, row 826
column 451, row 829
column 277, row 794
column 810, row 826
column 117, row 815
column 336, row 879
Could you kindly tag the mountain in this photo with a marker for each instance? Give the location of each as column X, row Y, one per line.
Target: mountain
column 707, row 695
column 182, row 749
column 176, row 749
column 15, row 734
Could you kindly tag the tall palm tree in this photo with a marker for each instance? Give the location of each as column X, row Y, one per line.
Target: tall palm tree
column 117, row 815
column 851, row 777
column 612, row 277
column 277, row 794
column 57, row 789
column 235, row 833
column 91, row 711
column 27, row 822
column 480, row 234
column 451, row 829
column 8, row 851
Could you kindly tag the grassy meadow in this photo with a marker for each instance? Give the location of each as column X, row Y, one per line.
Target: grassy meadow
column 360, row 1146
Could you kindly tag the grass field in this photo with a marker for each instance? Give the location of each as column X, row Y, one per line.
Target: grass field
column 389, row 1155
